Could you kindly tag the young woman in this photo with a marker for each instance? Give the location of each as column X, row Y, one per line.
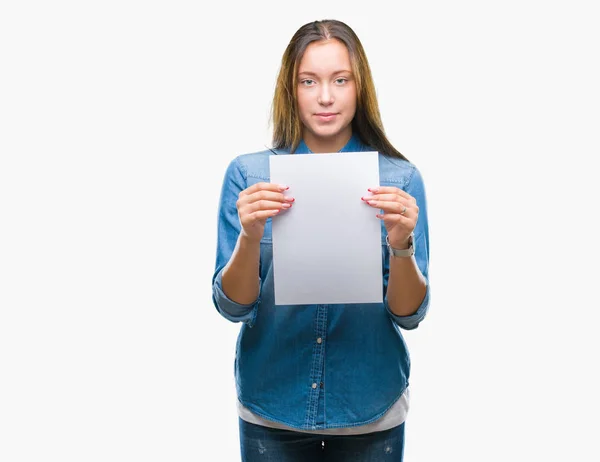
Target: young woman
column 322, row 382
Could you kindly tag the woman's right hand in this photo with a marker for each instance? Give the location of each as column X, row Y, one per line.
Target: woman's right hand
column 259, row 202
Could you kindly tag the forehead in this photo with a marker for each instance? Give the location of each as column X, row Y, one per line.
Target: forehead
column 325, row 56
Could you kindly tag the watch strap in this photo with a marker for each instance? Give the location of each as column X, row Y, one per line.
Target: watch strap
column 401, row 252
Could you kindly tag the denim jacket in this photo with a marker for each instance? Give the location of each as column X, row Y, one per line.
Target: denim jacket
column 317, row 366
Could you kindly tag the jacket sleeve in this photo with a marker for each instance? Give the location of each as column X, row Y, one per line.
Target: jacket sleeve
column 228, row 230
column 416, row 188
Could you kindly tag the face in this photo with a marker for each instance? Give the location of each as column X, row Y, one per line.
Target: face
column 326, row 95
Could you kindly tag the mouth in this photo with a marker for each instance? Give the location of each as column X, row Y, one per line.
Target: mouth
column 326, row 116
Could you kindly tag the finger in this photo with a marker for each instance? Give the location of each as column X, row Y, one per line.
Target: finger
column 391, row 190
column 267, row 195
column 401, row 208
column 264, row 186
column 393, row 219
column 386, row 197
column 260, row 215
column 264, row 205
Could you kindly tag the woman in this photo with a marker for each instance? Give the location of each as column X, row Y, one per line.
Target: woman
column 322, row 382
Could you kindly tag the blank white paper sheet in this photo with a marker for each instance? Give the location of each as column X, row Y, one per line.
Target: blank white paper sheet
column 327, row 246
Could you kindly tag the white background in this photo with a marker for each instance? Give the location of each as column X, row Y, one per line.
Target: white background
column 117, row 120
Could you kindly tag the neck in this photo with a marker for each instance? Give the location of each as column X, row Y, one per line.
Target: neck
column 332, row 144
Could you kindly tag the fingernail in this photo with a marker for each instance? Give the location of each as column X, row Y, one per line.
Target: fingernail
column 283, row 187
column 286, row 206
column 290, row 199
column 373, row 190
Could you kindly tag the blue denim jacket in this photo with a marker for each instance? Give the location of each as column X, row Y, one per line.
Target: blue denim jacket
column 317, row 366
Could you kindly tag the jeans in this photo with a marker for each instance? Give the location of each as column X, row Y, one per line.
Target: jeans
column 265, row 444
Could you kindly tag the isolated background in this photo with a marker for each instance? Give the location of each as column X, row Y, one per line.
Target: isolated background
column 117, row 120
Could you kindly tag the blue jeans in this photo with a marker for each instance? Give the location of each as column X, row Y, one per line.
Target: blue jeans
column 265, row 444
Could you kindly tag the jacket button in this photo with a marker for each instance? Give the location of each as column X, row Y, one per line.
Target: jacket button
column 314, row 385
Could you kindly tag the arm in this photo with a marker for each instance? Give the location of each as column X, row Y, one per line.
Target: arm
column 406, row 283
column 228, row 230
column 242, row 215
column 240, row 279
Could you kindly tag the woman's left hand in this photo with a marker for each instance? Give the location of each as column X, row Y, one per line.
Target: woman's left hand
column 400, row 213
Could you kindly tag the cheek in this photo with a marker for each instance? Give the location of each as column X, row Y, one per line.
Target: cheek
column 350, row 99
column 303, row 108
column 302, row 101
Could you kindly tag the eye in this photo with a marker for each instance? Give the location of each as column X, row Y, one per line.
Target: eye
column 307, row 82
column 341, row 80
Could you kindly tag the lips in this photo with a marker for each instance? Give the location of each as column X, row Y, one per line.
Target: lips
column 326, row 116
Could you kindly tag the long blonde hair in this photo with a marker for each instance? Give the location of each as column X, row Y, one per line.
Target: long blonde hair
column 287, row 126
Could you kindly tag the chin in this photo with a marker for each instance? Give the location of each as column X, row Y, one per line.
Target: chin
column 327, row 132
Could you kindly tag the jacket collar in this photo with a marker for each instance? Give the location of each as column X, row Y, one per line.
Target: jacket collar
column 353, row 145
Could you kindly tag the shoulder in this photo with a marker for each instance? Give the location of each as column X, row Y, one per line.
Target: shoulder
column 254, row 164
column 398, row 172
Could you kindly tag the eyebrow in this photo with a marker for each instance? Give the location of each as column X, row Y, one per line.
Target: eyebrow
column 315, row 75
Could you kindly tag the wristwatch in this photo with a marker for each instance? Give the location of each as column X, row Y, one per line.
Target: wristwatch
column 401, row 252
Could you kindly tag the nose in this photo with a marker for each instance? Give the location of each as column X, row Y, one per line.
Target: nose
column 325, row 97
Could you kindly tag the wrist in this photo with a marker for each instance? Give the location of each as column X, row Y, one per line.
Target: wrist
column 401, row 249
column 401, row 244
column 246, row 240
